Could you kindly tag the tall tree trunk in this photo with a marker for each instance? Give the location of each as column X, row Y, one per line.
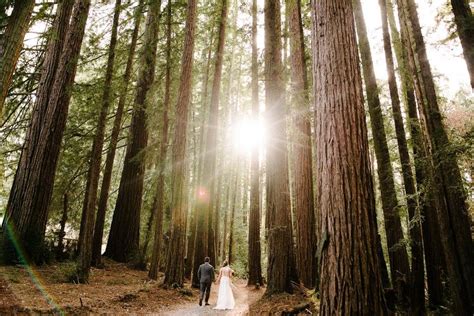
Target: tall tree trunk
column 303, row 170
column 216, row 211
column 124, row 236
column 205, row 244
column 158, row 202
column 194, row 265
column 255, row 251
column 175, row 256
column 430, row 225
column 109, row 161
column 228, row 194
column 191, row 231
column 227, row 94
column 141, row 262
column 417, row 276
column 233, row 205
column 190, row 251
column 192, row 190
column 12, row 42
column 350, row 272
column 446, row 181
column 281, row 258
column 224, row 223
column 30, row 196
column 465, row 26
column 90, row 199
column 399, row 267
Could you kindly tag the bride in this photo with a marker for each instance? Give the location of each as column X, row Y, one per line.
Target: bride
column 225, row 298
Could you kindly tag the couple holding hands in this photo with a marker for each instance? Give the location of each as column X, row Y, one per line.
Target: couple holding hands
column 206, row 274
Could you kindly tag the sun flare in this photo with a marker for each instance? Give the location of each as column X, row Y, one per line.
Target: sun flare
column 248, row 134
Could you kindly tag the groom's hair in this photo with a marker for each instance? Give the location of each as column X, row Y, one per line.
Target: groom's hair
column 207, row 259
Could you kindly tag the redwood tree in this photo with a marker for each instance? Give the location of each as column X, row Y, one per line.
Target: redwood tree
column 199, row 163
column 235, row 167
column 399, row 267
column 417, row 276
column 446, row 180
column 302, row 164
column 30, row 196
column 281, row 258
column 90, row 198
column 465, row 27
column 175, row 257
column 255, row 251
column 350, row 272
column 124, row 235
column 158, row 201
column 109, row 161
column 430, row 226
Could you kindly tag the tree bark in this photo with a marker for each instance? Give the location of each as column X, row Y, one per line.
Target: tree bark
column 255, row 251
column 350, row 272
column 158, row 202
column 12, row 42
column 90, row 199
column 281, row 259
column 30, row 196
column 124, row 237
column 303, row 169
column 109, row 161
column 465, row 27
column 446, row 180
column 175, row 256
column 399, row 267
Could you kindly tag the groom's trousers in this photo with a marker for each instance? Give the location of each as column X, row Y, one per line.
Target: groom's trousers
column 205, row 288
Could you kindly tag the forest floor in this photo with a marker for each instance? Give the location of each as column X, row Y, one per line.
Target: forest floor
column 114, row 290
column 119, row 290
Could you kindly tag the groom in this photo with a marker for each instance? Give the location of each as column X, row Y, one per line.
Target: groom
column 206, row 277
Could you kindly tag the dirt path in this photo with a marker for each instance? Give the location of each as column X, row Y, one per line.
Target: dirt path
column 243, row 295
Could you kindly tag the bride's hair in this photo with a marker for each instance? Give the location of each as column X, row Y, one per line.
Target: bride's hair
column 225, row 263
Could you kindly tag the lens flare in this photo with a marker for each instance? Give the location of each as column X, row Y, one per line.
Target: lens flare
column 202, row 194
column 34, row 275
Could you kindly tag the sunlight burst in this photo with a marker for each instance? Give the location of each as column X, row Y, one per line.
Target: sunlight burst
column 248, row 134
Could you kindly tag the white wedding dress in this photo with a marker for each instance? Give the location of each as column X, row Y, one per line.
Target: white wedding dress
column 225, row 297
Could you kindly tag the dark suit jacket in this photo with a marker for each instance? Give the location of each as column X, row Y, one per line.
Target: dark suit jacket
column 206, row 273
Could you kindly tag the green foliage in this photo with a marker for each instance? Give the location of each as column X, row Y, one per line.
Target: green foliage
column 459, row 118
column 64, row 272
